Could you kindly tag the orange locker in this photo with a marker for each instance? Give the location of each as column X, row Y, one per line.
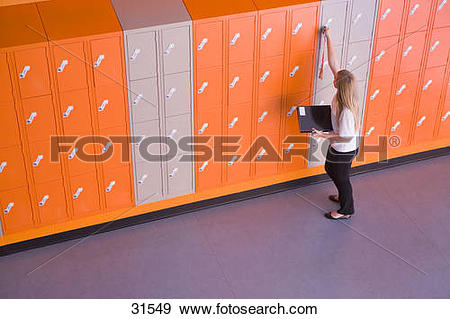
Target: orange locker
column 8, row 122
column 75, row 110
column 109, row 153
column 266, row 161
column 12, row 168
column 412, row 51
column 385, row 56
column 291, row 161
column 439, row 47
column 84, row 195
column 268, row 117
column 105, row 57
column 389, row 17
column 238, row 170
column 418, row 14
column 241, row 79
column 272, row 34
column 301, row 72
column 270, row 77
column 51, row 202
column 375, row 127
column 209, row 88
column 401, row 125
column 379, row 94
column 39, row 118
column 209, row 47
column 117, row 187
column 442, row 14
column 290, row 111
column 241, row 39
column 44, row 169
column 405, row 91
column 109, row 107
column 444, row 119
column 6, row 95
column 304, row 27
column 77, row 163
column 70, row 66
column 16, row 212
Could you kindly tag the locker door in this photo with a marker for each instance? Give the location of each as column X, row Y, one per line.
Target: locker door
column 264, row 167
column 431, row 89
column 358, row 59
column 39, row 118
column 444, row 123
column 272, row 36
column 236, row 169
column 6, row 95
column 116, row 149
column 107, row 61
column 144, row 104
column 8, row 123
column 32, row 72
column 179, row 178
column 375, row 126
column 208, row 45
column 110, row 106
column 241, row 39
column 406, row 89
column 240, row 83
column 439, row 46
column 16, row 210
column 178, row 127
column 401, row 125
column 12, row 168
column 290, row 112
column 324, row 95
column 268, row 117
column 442, row 14
column 304, row 29
column 177, row 94
column 176, row 49
column 147, row 129
column 209, row 122
column 209, row 88
column 84, row 195
column 418, row 13
column 51, row 202
column 270, row 77
column 385, row 54
column 301, row 70
column 390, row 18
column 296, row 162
column 44, row 169
column 117, row 187
column 334, row 15
column 141, row 49
column 362, row 23
column 77, row 165
column 70, row 67
column 378, row 97
column 148, row 182
column 413, row 48
column 76, row 113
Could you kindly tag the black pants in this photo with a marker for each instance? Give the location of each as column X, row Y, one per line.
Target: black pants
column 338, row 166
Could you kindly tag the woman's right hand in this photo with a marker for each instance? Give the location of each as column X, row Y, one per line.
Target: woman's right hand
column 326, row 31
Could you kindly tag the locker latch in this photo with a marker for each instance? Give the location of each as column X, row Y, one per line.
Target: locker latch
column 2, row 166
column 44, row 200
column 24, row 71
column 62, row 66
column 8, row 208
column 235, row 38
column 31, row 118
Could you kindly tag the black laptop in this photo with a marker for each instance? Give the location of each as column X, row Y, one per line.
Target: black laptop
column 315, row 116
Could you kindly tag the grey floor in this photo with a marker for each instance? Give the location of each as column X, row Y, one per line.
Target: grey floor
column 278, row 246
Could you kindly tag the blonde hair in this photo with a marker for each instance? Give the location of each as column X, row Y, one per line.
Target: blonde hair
column 347, row 95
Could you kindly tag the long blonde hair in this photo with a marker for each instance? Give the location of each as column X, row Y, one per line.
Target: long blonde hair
column 347, row 95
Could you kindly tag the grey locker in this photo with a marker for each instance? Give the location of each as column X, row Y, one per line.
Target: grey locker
column 362, row 25
column 179, row 177
column 318, row 151
column 177, row 94
column 148, row 182
column 145, row 130
column 328, row 77
column 178, row 127
column 141, row 55
column 358, row 59
column 334, row 15
column 175, row 44
column 144, row 100
column 325, row 95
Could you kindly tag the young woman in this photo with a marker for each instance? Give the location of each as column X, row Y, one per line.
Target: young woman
column 343, row 139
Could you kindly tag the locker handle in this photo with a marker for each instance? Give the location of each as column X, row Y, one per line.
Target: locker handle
column 107, row 146
column 135, row 54
column 73, row 153
column 2, row 166
column 262, row 117
column 369, row 132
column 264, row 77
column 62, row 66
column 414, row 9
column 77, row 193
column 232, row 160
column 328, row 22
column 374, row 95
column 444, row 118
column 31, row 118
column 435, row 45
column 8, row 208
column 352, row 60
column 204, row 127
column 291, row 111
column 422, row 119
column 172, row 133
column 110, row 186
column 172, row 174
column 289, row 148
column 442, row 5
column 68, row 111
column 379, row 56
column 44, row 200
column 386, row 13
column 202, row 44
column 296, row 68
column 138, row 99
column 297, row 28
column 142, row 180
column 171, row 93
column 261, row 154
column 169, row 49
column 38, row 160
column 427, row 85
column 235, row 38
column 402, row 88
column 203, row 87
column 266, row 34
column 104, row 104
column 394, row 128
column 358, row 17
column 202, row 168
column 322, row 102
column 100, row 58
column 233, row 123
column 407, row 50
column 233, row 84
column 25, row 70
